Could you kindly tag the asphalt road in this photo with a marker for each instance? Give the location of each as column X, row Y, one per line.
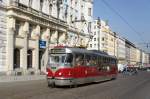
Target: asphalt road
column 124, row 87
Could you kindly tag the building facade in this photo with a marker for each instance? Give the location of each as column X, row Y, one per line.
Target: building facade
column 111, row 43
column 145, row 59
column 95, row 43
column 104, row 39
column 28, row 24
column 3, row 36
column 133, row 55
column 138, row 57
column 120, row 50
column 79, row 19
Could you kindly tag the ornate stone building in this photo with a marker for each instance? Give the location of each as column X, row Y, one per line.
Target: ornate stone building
column 29, row 23
column 2, row 37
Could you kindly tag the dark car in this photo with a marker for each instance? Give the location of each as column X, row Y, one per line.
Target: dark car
column 130, row 71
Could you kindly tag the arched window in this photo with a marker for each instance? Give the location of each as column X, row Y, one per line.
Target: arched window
column 17, row 27
column 16, row 58
column 29, row 62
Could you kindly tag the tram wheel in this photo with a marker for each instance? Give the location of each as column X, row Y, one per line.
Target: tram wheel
column 74, row 86
column 51, row 85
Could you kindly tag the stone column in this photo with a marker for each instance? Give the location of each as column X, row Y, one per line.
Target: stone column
column 54, row 37
column 10, row 44
column 46, row 54
column 23, row 54
column 62, row 39
column 36, row 51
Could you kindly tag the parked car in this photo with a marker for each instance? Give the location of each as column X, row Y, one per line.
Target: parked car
column 148, row 70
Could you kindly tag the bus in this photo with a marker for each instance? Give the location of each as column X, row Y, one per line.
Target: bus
column 74, row 66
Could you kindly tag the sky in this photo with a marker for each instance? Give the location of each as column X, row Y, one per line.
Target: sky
column 136, row 13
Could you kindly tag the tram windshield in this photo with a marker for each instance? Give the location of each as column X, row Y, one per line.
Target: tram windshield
column 61, row 59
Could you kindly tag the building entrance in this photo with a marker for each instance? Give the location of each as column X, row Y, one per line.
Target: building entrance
column 41, row 58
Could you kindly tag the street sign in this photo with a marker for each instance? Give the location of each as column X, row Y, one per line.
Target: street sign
column 42, row 44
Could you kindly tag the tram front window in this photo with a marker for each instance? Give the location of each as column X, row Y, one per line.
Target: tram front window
column 61, row 59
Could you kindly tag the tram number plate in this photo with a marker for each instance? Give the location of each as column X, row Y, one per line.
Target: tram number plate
column 53, row 67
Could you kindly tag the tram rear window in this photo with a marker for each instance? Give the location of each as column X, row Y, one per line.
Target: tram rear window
column 57, row 50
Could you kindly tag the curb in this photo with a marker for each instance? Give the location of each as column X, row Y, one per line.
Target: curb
column 21, row 78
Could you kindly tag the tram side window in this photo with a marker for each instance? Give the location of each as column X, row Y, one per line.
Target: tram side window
column 99, row 62
column 93, row 61
column 87, row 60
column 104, row 64
column 114, row 61
column 79, row 59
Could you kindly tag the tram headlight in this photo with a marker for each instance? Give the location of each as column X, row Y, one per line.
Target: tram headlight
column 59, row 73
column 46, row 73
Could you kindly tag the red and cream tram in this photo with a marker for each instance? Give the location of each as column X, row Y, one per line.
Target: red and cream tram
column 73, row 66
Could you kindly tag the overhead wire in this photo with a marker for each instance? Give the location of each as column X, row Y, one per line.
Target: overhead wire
column 123, row 19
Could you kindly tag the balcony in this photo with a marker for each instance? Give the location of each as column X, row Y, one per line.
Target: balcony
column 28, row 10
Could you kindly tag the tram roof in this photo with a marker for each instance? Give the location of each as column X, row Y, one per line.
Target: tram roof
column 94, row 52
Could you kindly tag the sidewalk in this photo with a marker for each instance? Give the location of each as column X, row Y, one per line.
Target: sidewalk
column 21, row 78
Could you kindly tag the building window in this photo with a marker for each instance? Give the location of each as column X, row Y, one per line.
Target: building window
column 89, row 11
column 76, row 3
column 94, row 33
column 17, row 27
column 94, row 39
column 29, row 61
column 112, row 39
column 91, row 45
column 103, row 39
column 89, row 26
column 71, row 2
column 41, row 5
column 71, row 18
column 30, row 3
column 30, row 30
column 41, row 32
column 94, row 45
column 16, row 58
column 50, row 8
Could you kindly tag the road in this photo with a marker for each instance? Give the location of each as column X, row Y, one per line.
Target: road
column 124, row 87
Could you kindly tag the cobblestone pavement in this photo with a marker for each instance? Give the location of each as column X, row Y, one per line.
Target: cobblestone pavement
column 124, row 87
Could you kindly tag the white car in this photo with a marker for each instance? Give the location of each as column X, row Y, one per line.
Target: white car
column 148, row 70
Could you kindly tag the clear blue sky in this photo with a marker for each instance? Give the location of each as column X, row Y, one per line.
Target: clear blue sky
column 135, row 12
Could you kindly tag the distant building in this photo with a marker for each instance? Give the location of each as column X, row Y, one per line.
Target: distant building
column 103, row 38
column 111, row 43
column 95, row 43
column 145, row 59
column 120, row 50
column 149, row 58
column 138, row 57
column 130, row 53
